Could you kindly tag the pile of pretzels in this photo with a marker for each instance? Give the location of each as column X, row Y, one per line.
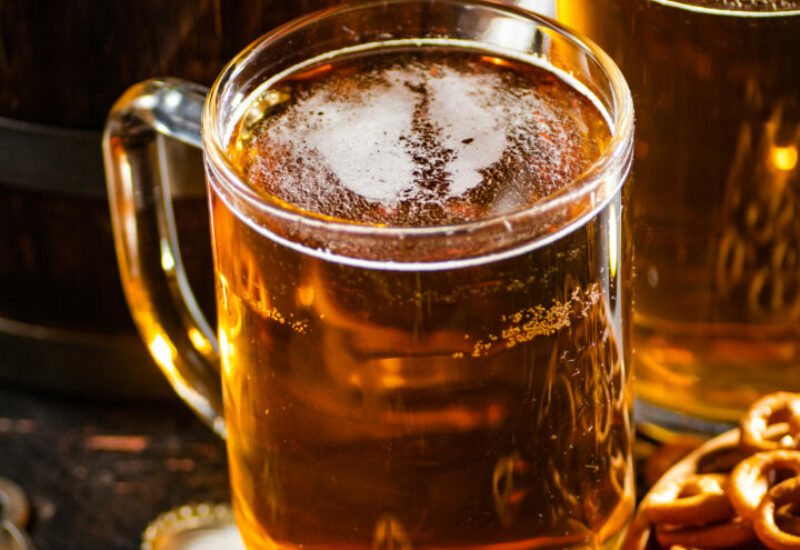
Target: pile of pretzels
column 742, row 495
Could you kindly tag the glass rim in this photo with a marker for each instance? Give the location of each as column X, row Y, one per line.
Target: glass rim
column 695, row 6
column 618, row 147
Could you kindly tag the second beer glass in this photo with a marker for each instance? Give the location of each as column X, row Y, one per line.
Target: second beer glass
column 716, row 204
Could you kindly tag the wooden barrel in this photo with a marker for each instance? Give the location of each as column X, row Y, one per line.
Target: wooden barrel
column 64, row 324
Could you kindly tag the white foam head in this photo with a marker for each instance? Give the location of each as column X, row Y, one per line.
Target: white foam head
column 363, row 134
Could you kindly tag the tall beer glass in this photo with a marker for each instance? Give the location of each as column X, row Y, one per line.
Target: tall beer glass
column 399, row 385
column 717, row 198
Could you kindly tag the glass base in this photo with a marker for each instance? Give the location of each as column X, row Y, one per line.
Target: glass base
column 664, row 425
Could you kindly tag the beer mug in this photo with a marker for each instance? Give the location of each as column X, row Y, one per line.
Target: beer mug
column 403, row 364
column 716, row 205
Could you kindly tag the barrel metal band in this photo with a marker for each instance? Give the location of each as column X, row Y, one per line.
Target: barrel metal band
column 64, row 161
column 38, row 157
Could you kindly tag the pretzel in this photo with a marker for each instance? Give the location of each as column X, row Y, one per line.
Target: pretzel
column 786, row 492
column 786, row 518
column 772, row 409
column 750, row 507
column 720, row 460
column 665, row 456
column 717, row 535
column 690, row 500
column 750, row 479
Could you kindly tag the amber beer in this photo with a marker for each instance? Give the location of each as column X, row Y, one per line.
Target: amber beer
column 717, row 196
column 421, row 248
column 480, row 402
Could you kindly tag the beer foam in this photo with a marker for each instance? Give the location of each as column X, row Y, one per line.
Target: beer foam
column 740, row 6
column 365, row 145
column 471, row 125
column 356, row 139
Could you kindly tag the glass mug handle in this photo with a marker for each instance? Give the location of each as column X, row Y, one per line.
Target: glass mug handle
column 156, row 287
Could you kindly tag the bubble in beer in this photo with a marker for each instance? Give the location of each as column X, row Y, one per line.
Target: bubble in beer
column 418, row 139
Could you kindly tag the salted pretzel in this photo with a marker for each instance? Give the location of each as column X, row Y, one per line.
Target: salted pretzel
column 751, row 478
column 694, row 499
column 773, row 410
column 733, row 532
column 786, row 492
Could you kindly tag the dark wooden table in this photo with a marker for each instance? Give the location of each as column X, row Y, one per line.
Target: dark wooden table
column 98, row 472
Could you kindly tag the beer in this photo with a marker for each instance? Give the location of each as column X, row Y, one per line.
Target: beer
column 717, row 196
column 462, row 400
